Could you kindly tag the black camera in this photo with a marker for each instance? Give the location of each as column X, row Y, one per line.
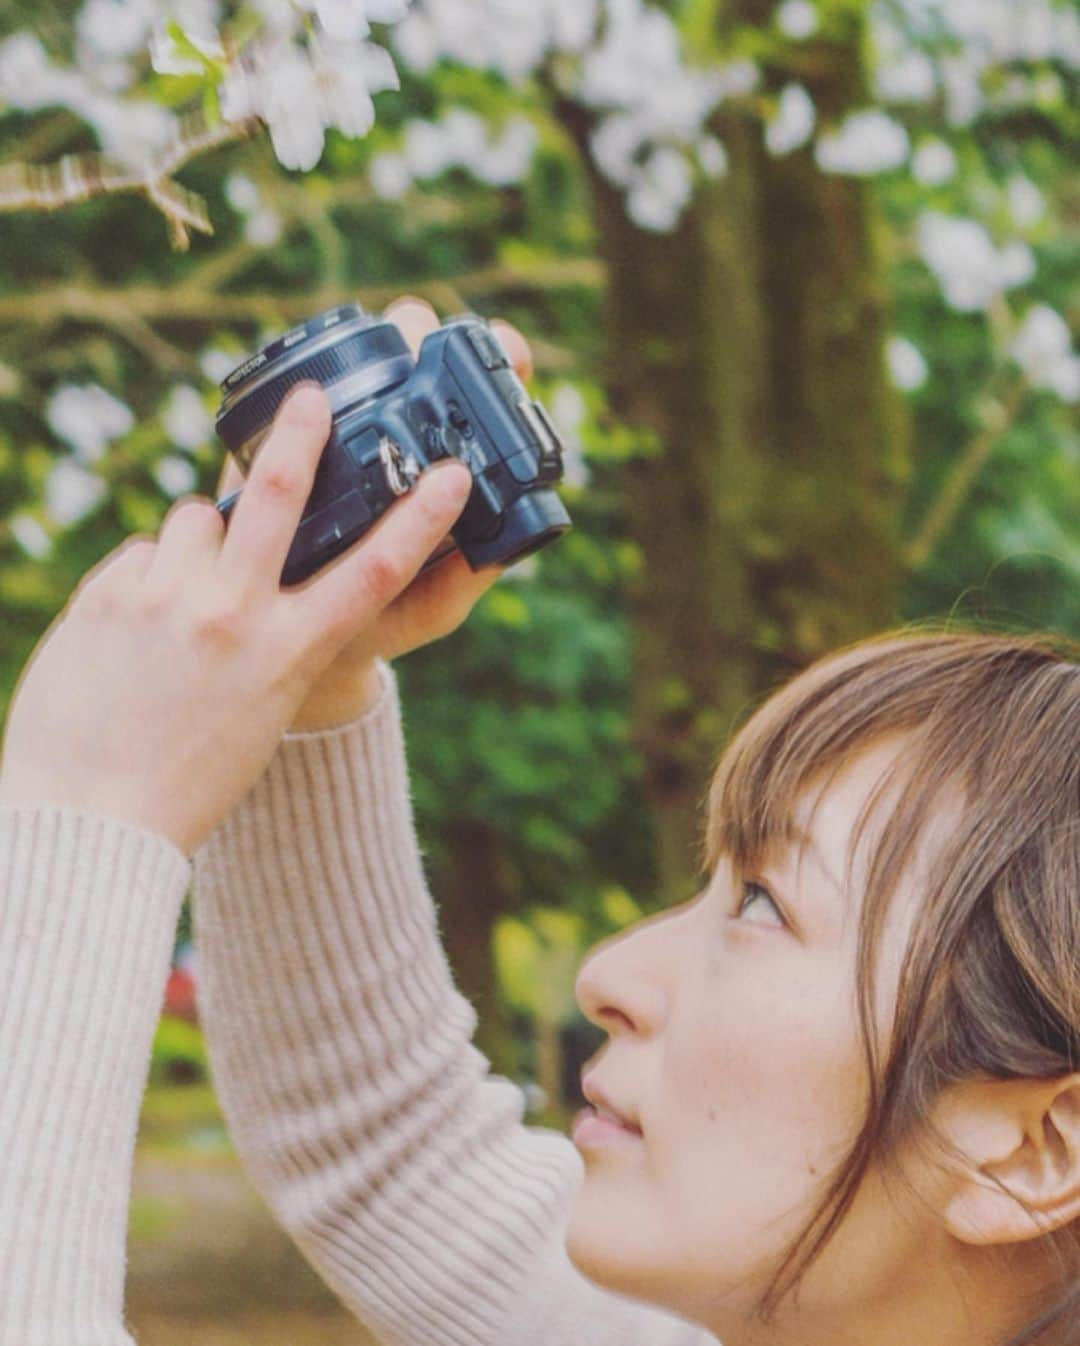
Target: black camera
column 392, row 417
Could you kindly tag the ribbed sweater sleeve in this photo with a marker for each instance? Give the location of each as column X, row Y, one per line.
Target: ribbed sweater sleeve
column 341, row 1052
column 88, row 910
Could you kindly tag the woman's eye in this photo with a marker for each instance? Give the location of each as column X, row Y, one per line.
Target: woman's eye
column 758, row 906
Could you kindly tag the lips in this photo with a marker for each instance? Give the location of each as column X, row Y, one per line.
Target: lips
column 606, row 1108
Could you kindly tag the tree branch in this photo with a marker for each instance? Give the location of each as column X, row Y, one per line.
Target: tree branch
column 183, row 304
column 76, row 177
column 942, row 513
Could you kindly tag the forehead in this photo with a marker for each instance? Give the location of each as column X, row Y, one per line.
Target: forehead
column 830, row 807
column 846, row 812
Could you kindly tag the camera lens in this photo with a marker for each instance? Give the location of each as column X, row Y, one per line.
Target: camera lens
column 352, row 354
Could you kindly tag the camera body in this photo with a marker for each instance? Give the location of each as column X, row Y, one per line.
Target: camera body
column 392, row 417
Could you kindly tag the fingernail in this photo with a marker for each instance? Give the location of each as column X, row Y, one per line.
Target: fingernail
column 304, row 405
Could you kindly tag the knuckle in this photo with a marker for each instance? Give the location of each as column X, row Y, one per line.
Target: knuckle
column 139, row 547
column 383, row 577
column 326, row 641
column 190, row 510
column 106, row 587
column 154, row 601
column 98, row 598
column 139, row 551
column 220, row 626
column 282, row 481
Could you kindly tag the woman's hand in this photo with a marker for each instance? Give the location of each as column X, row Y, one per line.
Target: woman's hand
column 161, row 692
column 436, row 604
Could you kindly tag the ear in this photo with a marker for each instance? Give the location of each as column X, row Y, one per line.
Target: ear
column 1017, row 1174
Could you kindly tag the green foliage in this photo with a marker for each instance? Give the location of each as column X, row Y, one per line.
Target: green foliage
column 179, row 1053
column 536, row 962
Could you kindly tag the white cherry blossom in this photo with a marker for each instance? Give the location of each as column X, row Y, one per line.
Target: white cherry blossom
column 386, row 11
column 31, row 536
column 1044, row 351
column 573, row 23
column 1026, row 203
column 343, row 20
column 934, row 162
column 868, row 142
column 614, row 145
column 217, row 364
column 88, row 418
column 168, row 58
column 176, row 476
column 968, row 266
column 264, row 227
column 242, row 194
column 71, row 493
column 712, row 157
column 185, row 418
column 426, row 151
column 659, row 190
column 115, row 27
column 389, row 176
column 793, row 124
column 910, row 79
column 907, row 364
column 288, row 101
column 507, row 159
column 568, row 411
column 460, row 139
column 130, row 129
column 798, row 19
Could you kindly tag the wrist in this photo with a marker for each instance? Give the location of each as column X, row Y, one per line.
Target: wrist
column 337, row 699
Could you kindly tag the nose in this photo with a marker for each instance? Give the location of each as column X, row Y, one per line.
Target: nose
column 624, row 984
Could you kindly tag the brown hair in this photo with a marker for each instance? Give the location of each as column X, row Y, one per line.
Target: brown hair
column 991, row 983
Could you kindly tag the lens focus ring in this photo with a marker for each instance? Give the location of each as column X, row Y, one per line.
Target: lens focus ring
column 246, row 414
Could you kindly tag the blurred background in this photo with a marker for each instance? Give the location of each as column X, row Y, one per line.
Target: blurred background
column 802, row 279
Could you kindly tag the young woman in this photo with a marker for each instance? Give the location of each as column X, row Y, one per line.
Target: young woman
column 840, row 1100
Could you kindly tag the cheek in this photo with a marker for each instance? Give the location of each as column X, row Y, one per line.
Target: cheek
column 750, row 1097
column 769, row 1080
column 757, row 1097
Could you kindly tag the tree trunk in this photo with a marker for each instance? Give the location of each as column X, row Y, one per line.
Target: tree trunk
column 751, row 342
column 472, row 893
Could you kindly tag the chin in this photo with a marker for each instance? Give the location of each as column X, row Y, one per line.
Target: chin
column 595, row 1243
column 630, row 1257
column 614, row 1252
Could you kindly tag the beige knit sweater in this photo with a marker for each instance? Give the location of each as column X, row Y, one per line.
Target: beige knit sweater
column 340, row 1050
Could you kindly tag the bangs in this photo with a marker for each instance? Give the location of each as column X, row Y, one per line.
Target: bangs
column 968, row 704
column 807, row 732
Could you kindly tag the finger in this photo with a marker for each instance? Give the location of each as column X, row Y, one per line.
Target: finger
column 270, row 507
column 350, row 594
column 415, row 318
column 135, row 552
column 516, row 347
column 436, row 603
column 231, row 478
column 192, row 534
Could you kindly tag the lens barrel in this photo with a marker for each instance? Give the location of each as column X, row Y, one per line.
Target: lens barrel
column 352, row 354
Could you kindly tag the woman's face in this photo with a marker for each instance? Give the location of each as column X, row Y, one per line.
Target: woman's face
column 734, row 1046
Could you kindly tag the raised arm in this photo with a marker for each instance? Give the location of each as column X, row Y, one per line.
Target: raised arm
column 151, row 706
column 88, row 909
column 341, row 1052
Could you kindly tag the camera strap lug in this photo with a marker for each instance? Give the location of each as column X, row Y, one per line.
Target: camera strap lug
column 401, row 473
